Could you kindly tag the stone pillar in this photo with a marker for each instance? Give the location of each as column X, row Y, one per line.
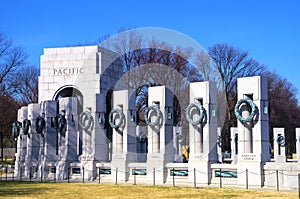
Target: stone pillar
column 202, row 155
column 177, row 141
column 234, row 144
column 279, row 145
column 160, row 136
column 94, row 140
column 248, row 136
column 48, row 142
column 219, row 145
column 142, row 140
column 33, row 142
column 21, row 144
column 253, row 137
column 298, row 143
column 18, row 149
column 67, row 140
column 101, row 141
column 124, row 136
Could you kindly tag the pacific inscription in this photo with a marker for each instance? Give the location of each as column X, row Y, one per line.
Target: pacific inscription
column 67, row 71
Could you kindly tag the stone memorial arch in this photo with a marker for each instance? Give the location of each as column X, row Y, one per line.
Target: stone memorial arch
column 79, row 80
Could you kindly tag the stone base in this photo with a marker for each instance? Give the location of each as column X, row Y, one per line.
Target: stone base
column 27, row 169
column 119, row 171
column 142, row 157
column 280, row 158
column 62, row 169
column 119, row 166
column 234, row 159
column 46, row 167
column 30, row 169
column 203, row 172
column 178, row 158
column 285, row 174
column 198, row 157
column 18, row 167
column 157, row 171
column 251, row 172
column 88, row 164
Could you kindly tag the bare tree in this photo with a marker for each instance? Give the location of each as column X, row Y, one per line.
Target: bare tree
column 231, row 64
column 203, row 63
column 8, row 113
column 151, row 62
column 284, row 108
column 24, row 88
column 11, row 57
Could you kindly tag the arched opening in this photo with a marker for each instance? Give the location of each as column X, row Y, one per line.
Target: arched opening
column 71, row 91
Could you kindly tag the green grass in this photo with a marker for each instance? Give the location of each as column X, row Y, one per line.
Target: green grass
column 10, row 189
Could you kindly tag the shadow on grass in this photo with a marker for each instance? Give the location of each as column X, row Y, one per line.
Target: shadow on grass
column 19, row 188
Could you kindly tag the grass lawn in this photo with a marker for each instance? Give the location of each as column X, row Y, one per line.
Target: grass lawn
column 24, row 190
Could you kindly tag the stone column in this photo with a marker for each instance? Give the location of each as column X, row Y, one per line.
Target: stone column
column 177, row 135
column 33, row 142
column 48, row 142
column 21, row 144
column 141, row 135
column 94, row 138
column 219, row 145
column 298, row 143
column 279, row 145
column 124, row 136
column 234, row 144
column 67, row 140
column 253, row 136
column 247, row 134
column 202, row 155
column 160, row 136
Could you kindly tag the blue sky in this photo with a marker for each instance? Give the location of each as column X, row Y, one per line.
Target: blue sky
column 268, row 30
